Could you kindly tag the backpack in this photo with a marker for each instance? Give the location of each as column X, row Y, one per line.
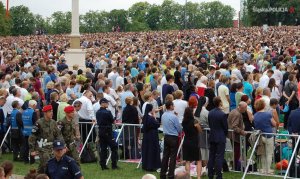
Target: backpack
column 88, row 154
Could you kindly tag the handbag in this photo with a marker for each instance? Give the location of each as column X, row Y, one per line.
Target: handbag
column 286, row 108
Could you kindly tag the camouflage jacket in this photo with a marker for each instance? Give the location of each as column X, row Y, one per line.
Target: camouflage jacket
column 68, row 130
column 43, row 135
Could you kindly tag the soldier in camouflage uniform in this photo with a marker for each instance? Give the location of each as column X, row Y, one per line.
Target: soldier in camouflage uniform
column 68, row 131
column 44, row 132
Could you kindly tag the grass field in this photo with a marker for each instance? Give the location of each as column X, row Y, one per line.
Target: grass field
column 127, row 171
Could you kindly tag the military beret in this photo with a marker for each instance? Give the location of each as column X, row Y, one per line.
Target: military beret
column 47, row 108
column 69, row 109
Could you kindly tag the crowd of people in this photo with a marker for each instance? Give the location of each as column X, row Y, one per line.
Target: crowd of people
column 185, row 81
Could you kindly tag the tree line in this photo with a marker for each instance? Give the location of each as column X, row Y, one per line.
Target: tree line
column 141, row 16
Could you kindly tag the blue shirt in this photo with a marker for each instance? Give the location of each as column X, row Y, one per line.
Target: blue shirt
column 170, row 123
column 134, row 72
column 65, row 168
column 248, row 89
column 262, row 121
column 124, row 96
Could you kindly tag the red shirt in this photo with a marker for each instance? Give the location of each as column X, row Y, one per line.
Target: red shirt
column 37, row 86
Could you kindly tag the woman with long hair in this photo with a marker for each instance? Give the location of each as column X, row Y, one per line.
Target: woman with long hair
column 275, row 93
column 201, row 115
column 191, row 128
column 150, row 145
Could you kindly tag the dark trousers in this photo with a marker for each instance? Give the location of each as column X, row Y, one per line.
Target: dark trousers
column 237, row 155
column 16, row 147
column 25, row 151
column 108, row 141
column 216, row 158
column 292, row 106
column 294, row 170
column 85, row 129
column 169, row 156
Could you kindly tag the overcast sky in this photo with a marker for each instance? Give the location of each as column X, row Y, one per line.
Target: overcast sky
column 47, row 7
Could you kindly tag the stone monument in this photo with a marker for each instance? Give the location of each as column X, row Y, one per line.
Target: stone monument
column 75, row 55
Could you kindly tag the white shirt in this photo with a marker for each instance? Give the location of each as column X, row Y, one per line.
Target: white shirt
column 267, row 101
column 87, row 110
column 7, row 108
column 237, row 72
column 179, row 107
column 112, row 103
column 144, row 107
column 162, row 82
column 119, row 81
column 24, row 93
column 264, row 81
column 113, row 94
column 250, row 68
column 96, row 107
column 223, row 91
column 278, row 76
column 275, row 93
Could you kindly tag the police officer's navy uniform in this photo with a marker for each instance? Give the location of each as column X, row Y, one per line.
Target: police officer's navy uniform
column 65, row 168
column 29, row 118
column 105, row 120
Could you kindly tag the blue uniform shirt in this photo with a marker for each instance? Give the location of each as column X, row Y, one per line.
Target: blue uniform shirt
column 170, row 123
column 65, row 168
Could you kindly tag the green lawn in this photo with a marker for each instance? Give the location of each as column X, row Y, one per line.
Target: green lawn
column 127, row 171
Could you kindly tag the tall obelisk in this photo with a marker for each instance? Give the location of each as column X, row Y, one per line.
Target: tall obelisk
column 75, row 55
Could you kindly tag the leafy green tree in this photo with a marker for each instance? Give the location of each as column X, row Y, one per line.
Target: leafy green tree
column 137, row 14
column 61, row 22
column 153, row 17
column 23, row 22
column 118, row 18
column 217, row 14
column 94, row 21
column 5, row 25
column 170, row 15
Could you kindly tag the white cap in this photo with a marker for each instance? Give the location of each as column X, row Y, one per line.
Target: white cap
column 32, row 103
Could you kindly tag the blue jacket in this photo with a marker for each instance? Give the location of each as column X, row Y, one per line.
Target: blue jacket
column 294, row 122
column 27, row 116
column 217, row 121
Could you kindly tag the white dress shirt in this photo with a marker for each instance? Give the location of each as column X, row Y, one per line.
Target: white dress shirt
column 7, row 108
column 87, row 110
column 179, row 107
column 112, row 103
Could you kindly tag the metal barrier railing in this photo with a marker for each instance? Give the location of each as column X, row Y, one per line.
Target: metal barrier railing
column 128, row 138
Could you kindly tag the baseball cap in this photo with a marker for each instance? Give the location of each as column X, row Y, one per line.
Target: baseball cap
column 104, row 100
column 58, row 145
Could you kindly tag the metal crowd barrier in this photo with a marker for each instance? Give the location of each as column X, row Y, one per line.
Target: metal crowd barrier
column 128, row 138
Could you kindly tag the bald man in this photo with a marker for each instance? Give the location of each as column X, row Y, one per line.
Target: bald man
column 235, row 122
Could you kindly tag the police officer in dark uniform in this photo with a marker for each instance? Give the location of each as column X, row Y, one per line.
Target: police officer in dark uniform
column 105, row 120
column 62, row 166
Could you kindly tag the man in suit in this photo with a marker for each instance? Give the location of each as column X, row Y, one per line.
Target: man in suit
column 217, row 121
column 294, row 128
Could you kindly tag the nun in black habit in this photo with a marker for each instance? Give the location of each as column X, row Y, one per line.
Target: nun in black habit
column 150, row 145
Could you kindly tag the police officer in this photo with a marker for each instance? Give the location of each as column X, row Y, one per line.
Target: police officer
column 44, row 132
column 68, row 131
column 29, row 117
column 62, row 166
column 15, row 121
column 105, row 121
